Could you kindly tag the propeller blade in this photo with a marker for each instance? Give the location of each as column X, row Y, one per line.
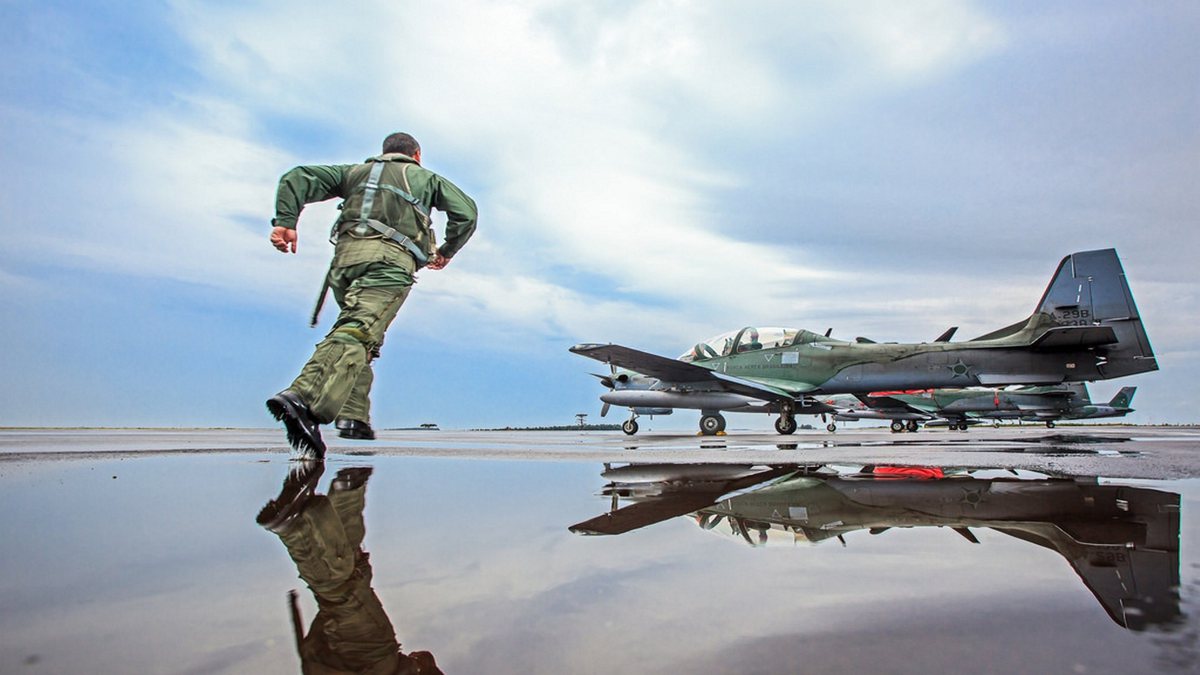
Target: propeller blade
column 604, row 409
column 604, row 380
column 967, row 534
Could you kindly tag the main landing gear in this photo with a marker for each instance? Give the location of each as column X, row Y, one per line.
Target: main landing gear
column 899, row 426
column 712, row 424
column 1049, row 424
column 785, row 424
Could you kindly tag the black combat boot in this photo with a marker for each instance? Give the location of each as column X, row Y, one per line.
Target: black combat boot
column 299, row 485
column 355, row 429
column 303, row 431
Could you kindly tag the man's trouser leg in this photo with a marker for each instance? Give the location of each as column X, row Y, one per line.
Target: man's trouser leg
column 358, row 405
column 369, row 302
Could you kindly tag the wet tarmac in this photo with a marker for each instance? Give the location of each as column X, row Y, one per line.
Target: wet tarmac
column 995, row 550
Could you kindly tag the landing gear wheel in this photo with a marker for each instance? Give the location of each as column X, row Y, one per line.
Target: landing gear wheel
column 630, row 427
column 785, row 424
column 996, row 424
column 962, row 426
column 1049, row 424
column 831, row 427
column 912, row 425
column 711, row 425
column 897, row 426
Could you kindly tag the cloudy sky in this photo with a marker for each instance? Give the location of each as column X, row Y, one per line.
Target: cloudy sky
column 650, row 173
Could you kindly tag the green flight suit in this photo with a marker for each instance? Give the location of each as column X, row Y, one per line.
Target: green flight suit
column 370, row 275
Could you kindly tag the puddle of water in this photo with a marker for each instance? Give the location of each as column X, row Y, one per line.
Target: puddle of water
column 156, row 564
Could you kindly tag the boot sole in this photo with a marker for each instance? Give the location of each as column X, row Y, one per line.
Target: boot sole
column 297, row 434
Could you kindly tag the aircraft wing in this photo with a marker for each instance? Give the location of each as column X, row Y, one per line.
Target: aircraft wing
column 681, row 372
column 889, row 404
column 671, row 504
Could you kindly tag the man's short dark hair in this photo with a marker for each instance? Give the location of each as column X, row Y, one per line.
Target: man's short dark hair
column 402, row 143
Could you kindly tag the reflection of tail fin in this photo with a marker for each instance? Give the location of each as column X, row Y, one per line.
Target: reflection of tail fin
column 1089, row 304
column 1124, row 398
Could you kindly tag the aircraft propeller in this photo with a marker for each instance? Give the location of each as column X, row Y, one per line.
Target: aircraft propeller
column 610, row 381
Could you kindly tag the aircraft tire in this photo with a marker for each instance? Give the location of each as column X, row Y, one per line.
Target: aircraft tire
column 996, row 424
column 912, row 426
column 785, row 425
column 897, row 426
column 630, row 427
column 831, row 427
column 711, row 425
column 1049, row 424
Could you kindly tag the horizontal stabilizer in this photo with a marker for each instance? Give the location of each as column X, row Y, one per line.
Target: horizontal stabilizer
column 1075, row 337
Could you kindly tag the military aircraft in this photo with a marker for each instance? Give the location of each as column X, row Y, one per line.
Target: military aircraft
column 1122, row 541
column 1086, row 327
column 1037, row 404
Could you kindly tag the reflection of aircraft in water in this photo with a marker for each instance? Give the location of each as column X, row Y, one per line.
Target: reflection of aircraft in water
column 1086, row 327
column 351, row 632
column 1122, row 541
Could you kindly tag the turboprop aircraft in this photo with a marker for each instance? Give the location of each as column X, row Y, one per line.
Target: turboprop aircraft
column 1036, row 404
column 1086, row 327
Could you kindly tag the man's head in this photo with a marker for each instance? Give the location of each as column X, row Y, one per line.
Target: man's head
column 402, row 143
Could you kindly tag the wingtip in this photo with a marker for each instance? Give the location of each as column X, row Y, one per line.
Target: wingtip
column 584, row 347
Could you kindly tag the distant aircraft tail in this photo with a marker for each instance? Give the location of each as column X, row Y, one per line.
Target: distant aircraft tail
column 1080, row 391
column 1124, row 398
column 1089, row 304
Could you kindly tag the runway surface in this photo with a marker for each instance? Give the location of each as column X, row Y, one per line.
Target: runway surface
column 1072, row 550
column 1113, row 451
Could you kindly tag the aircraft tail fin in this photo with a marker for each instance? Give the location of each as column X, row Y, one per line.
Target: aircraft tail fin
column 1080, row 391
column 1124, row 398
column 1088, row 303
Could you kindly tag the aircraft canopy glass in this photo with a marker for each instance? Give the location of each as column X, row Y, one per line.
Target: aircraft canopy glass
column 745, row 339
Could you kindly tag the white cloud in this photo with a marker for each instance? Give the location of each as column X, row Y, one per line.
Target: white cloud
column 555, row 108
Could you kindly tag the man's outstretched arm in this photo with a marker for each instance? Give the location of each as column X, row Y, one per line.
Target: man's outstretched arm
column 302, row 185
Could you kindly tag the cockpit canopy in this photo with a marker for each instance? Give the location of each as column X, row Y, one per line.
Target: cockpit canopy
column 748, row 339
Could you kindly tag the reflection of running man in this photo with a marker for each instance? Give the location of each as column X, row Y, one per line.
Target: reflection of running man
column 324, row 534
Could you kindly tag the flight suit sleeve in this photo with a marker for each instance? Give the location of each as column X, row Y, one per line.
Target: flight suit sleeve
column 305, row 185
column 461, row 215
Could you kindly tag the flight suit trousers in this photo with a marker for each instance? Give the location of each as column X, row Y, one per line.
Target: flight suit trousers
column 351, row 632
column 336, row 381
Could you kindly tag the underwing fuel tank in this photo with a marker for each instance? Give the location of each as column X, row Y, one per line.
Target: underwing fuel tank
column 699, row 400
